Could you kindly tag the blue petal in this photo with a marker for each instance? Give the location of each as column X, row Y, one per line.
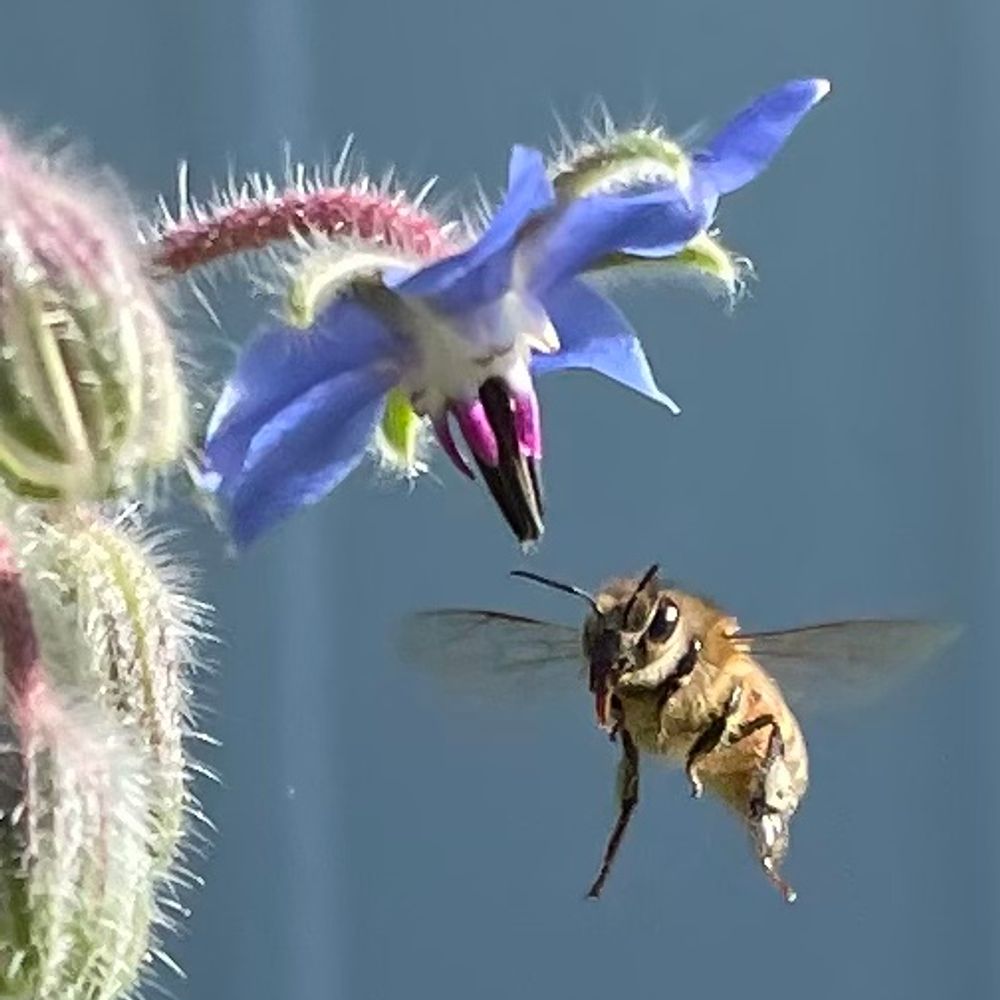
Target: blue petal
column 483, row 273
column 741, row 150
column 654, row 224
column 300, row 455
column 595, row 335
column 280, row 366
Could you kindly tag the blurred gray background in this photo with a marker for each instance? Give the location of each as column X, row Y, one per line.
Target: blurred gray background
column 837, row 455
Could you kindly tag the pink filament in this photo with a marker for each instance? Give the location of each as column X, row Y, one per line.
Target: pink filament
column 443, row 431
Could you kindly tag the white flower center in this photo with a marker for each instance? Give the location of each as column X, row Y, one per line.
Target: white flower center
column 455, row 354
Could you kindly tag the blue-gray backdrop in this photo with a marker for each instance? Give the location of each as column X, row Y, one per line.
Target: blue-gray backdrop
column 837, row 455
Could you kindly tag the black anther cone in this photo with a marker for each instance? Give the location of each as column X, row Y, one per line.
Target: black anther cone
column 515, row 483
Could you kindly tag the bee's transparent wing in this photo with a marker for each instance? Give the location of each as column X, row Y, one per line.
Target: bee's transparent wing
column 492, row 652
column 847, row 664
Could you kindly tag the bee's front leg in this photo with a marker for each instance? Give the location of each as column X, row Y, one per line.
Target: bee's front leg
column 716, row 733
column 628, row 799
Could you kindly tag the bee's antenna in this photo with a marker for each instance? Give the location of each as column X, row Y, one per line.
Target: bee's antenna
column 639, row 588
column 566, row 588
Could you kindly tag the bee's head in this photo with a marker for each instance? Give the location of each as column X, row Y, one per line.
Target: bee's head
column 633, row 626
column 637, row 632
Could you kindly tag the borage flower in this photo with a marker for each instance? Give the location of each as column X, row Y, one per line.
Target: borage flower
column 459, row 339
column 454, row 340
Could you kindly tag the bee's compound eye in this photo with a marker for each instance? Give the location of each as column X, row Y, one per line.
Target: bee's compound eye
column 664, row 621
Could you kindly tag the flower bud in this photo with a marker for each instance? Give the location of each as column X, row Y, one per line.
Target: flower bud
column 90, row 393
column 136, row 628
column 97, row 642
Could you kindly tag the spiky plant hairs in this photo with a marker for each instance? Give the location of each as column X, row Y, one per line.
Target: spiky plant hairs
column 259, row 212
column 101, row 638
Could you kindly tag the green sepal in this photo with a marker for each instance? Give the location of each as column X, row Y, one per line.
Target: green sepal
column 703, row 257
column 398, row 438
column 622, row 157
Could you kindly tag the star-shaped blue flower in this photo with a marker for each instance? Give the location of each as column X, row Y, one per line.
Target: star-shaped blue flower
column 462, row 337
column 457, row 336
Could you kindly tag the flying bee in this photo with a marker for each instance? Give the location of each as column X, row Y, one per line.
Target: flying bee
column 672, row 676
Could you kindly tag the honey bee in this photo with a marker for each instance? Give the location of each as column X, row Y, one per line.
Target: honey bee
column 672, row 676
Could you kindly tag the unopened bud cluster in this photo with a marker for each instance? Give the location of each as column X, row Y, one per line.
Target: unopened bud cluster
column 97, row 628
column 90, row 395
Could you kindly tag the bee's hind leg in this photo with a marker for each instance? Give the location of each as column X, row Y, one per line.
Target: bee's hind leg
column 771, row 806
column 772, row 801
column 628, row 799
column 716, row 733
column 719, row 733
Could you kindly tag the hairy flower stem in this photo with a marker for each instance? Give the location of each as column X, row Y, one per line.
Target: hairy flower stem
column 22, row 667
column 249, row 222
